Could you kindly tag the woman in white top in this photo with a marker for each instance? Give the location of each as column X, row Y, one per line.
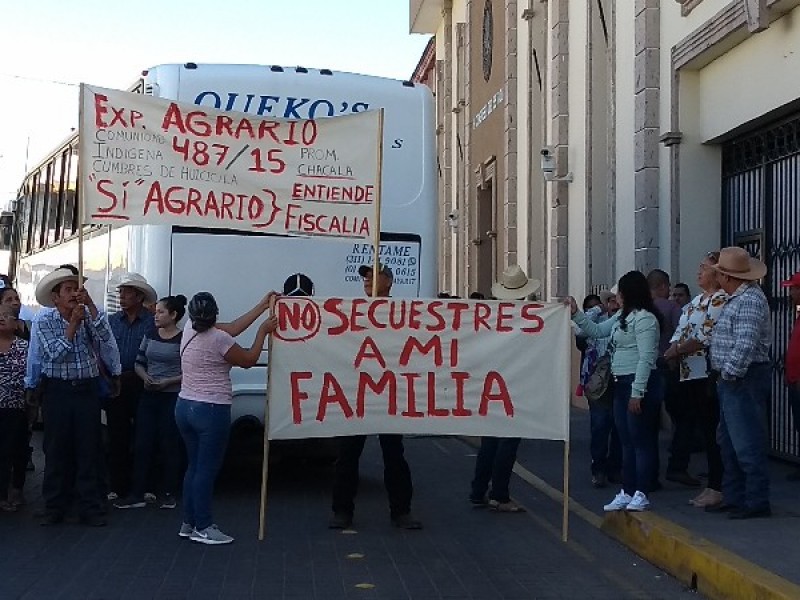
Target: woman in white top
column 689, row 347
column 203, row 409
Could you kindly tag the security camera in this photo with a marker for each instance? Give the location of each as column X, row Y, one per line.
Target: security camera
column 548, row 159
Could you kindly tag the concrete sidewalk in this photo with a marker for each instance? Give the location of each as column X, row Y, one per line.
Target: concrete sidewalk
column 720, row 558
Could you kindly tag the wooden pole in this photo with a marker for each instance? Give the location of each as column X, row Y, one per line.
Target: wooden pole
column 378, row 195
column 81, row 187
column 265, row 459
column 565, row 516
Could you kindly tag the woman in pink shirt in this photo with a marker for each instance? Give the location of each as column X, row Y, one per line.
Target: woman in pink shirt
column 203, row 409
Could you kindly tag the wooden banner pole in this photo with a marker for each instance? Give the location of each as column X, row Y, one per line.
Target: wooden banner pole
column 81, row 187
column 378, row 195
column 565, row 516
column 265, row 459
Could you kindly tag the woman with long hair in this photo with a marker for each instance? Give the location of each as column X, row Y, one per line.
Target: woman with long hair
column 203, row 410
column 13, row 421
column 634, row 333
column 158, row 364
column 689, row 347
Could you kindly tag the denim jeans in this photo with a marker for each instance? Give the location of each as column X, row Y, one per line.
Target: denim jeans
column 794, row 403
column 157, row 436
column 495, row 461
column 204, row 428
column 743, row 437
column 638, row 434
column 396, row 474
column 604, row 445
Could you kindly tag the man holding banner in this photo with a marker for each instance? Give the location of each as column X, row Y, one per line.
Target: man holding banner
column 396, row 473
column 497, row 456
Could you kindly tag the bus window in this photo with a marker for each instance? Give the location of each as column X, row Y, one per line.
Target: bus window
column 55, row 202
column 70, row 208
column 37, row 205
column 24, row 216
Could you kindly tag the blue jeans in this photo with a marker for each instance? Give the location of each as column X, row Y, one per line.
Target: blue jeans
column 204, row 428
column 604, row 445
column 794, row 403
column 157, row 436
column 638, row 434
column 495, row 461
column 743, row 437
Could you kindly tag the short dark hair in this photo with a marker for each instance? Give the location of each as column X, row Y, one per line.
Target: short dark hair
column 591, row 298
column 476, row 296
column 685, row 288
column 656, row 278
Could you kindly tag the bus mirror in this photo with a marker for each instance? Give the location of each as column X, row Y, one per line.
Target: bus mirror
column 6, row 227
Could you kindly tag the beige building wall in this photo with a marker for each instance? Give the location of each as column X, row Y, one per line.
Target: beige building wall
column 635, row 118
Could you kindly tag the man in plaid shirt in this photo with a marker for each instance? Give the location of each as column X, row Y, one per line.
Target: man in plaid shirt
column 740, row 358
column 67, row 339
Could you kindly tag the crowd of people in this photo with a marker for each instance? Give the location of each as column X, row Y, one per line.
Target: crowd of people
column 706, row 359
column 166, row 392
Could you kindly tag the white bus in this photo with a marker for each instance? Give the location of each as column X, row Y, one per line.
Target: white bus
column 240, row 267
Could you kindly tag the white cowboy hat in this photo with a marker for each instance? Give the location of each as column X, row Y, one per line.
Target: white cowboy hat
column 606, row 295
column 515, row 285
column 736, row 262
column 44, row 288
column 138, row 282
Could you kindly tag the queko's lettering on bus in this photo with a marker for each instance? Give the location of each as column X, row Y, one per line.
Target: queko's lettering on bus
column 286, row 107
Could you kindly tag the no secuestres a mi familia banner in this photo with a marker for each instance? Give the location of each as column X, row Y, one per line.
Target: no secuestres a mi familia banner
column 446, row 367
column 146, row 160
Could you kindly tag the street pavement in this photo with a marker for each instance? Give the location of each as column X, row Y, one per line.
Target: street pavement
column 462, row 553
column 768, row 543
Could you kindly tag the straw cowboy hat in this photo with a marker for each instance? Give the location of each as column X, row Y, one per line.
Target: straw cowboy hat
column 514, row 285
column 737, row 263
column 44, row 289
column 606, row 295
column 138, row 282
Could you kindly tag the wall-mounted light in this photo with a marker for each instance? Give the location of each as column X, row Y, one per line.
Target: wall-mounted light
column 452, row 219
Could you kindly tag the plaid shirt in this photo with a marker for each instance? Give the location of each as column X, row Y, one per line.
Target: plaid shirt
column 70, row 359
column 742, row 333
column 129, row 335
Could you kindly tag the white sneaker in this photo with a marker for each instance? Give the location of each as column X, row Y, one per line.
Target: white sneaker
column 185, row 531
column 639, row 502
column 620, row 502
column 210, row 535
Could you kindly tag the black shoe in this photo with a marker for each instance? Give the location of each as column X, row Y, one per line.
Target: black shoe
column 599, row 480
column 750, row 513
column 130, row 502
column 93, row 521
column 340, row 521
column 479, row 502
column 406, row 521
column 51, row 518
column 683, row 478
column 722, row 507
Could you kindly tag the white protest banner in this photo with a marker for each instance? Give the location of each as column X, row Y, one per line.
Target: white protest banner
column 388, row 365
column 149, row 160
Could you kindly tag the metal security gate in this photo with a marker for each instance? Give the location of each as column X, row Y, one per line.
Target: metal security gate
column 761, row 212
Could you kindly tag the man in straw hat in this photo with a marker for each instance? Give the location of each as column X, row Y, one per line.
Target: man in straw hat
column 67, row 337
column 740, row 359
column 396, row 472
column 792, row 359
column 497, row 456
column 131, row 324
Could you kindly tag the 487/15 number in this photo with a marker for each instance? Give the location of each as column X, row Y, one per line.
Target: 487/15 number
column 200, row 152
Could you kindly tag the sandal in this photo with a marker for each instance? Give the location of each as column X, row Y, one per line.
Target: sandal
column 508, row 507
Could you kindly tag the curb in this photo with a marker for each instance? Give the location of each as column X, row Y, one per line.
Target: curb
column 704, row 566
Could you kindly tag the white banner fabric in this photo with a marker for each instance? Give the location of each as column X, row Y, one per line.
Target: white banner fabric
column 146, row 160
column 449, row 367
